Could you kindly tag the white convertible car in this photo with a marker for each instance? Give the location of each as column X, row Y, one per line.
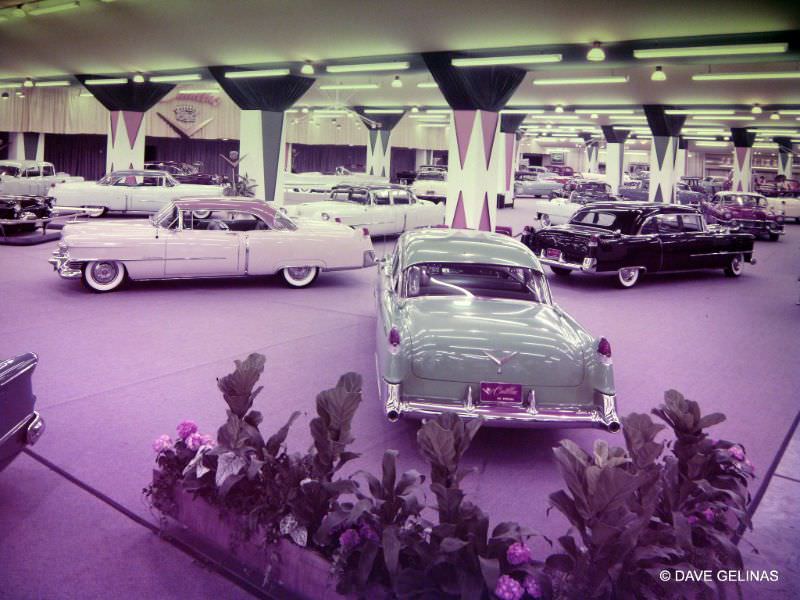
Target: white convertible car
column 316, row 186
column 788, row 206
column 383, row 210
column 559, row 210
column 431, row 184
column 239, row 237
column 130, row 191
column 30, row 177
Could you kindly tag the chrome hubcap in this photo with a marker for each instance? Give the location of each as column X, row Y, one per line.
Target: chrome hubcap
column 298, row 272
column 627, row 274
column 736, row 264
column 104, row 272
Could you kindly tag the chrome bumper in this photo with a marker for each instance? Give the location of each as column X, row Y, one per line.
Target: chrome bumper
column 61, row 264
column 603, row 415
column 589, row 265
column 369, row 258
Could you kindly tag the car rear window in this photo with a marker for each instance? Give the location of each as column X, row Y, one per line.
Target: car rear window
column 598, row 218
column 485, row 281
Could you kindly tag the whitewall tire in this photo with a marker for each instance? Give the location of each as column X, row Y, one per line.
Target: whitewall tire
column 628, row 277
column 103, row 275
column 545, row 220
column 735, row 266
column 300, row 277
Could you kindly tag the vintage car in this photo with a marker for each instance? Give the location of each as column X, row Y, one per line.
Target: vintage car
column 562, row 170
column 184, row 173
column 639, row 191
column 238, row 238
column 30, row 177
column 746, row 211
column 786, row 206
column 431, row 184
column 629, row 239
column 316, row 186
column 382, row 209
column 559, row 210
column 535, row 184
column 712, row 184
column 24, row 213
column 466, row 325
column 130, row 191
column 20, row 424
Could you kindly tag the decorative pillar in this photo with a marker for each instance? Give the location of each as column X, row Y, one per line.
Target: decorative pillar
column 680, row 160
column 25, row 146
column 615, row 156
column 127, row 104
column 379, row 141
column 262, row 138
column 592, row 147
column 509, row 153
column 476, row 95
column 663, row 152
column 785, row 157
column 742, row 159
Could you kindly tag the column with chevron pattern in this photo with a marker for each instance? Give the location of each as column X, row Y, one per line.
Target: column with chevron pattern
column 785, row 156
column 379, row 152
column 509, row 153
column 125, row 146
column 664, row 150
column 742, row 159
column 615, row 156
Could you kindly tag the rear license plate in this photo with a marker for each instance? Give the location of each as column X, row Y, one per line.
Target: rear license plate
column 553, row 253
column 503, row 393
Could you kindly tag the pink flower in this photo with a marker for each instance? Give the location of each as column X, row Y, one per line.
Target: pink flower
column 736, row 452
column 208, row 440
column 349, row 539
column 186, row 428
column 709, row 514
column 693, row 520
column 518, row 554
column 532, row 587
column 194, row 441
column 508, row 588
column 162, row 443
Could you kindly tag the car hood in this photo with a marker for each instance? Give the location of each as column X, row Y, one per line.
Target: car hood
column 332, row 207
column 117, row 229
column 451, row 336
column 749, row 213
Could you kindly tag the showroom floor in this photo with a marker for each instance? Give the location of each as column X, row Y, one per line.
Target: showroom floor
column 118, row 370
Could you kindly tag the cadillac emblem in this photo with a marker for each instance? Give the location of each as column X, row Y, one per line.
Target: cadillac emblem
column 500, row 361
column 185, row 113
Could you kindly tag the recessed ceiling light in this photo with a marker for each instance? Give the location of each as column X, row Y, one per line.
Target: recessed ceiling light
column 414, row 109
column 138, row 78
column 10, row 85
column 774, row 117
column 397, row 82
column 725, row 50
column 174, row 78
column 107, row 81
column 427, row 84
column 559, row 109
column 756, row 110
column 723, row 118
column 349, row 86
column 596, row 54
column 59, row 83
column 593, row 116
column 28, row 82
column 383, row 111
column 604, row 111
column 307, row 68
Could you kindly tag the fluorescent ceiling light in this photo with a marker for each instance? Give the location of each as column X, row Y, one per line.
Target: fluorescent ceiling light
column 434, row 124
column 428, row 84
column 330, row 111
column 384, row 66
column 8, row 86
column 746, row 76
column 424, row 116
column 384, row 111
column 172, row 78
column 604, row 111
column 698, row 111
column 583, row 80
column 554, row 117
column 109, row 81
column 256, row 73
column 700, row 138
column 488, row 61
column 60, row 83
column 723, row 118
column 39, row 9
column 775, row 131
column 711, row 50
column 350, row 86
column 766, row 146
column 527, row 111
column 713, row 144
column 86, row 95
column 789, row 112
column 633, row 119
column 202, row 91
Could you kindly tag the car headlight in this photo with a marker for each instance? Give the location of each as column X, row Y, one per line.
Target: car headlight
column 325, row 216
column 779, row 219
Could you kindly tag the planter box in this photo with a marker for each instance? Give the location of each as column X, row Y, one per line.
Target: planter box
column 283, row 569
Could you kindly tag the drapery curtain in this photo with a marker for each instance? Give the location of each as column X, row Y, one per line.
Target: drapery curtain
column 473, row 88
column 440, row 157
column 3, row 145
column 136, row 97
column 325, row 158
column 509, row 123
column 402, row 159
column 205, row 152
column 83, row 155
column 263, row 93
column 385, row 122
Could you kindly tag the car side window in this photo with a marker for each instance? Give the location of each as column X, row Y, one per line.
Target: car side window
column 691, row 223
column 340, row 196
column 48, row 170
column 650, row 226
column 381, row 198
column 395, row 270
column 400, row 197
column 668, row 224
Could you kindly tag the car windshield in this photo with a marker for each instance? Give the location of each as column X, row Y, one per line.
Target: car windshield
column 355, row 196
column 593, row 188
column 471, row 280
column 745, row 201
column 9, row 170
column 431, row 176
column 281, row 222
column 166, row 217
column 601, row 219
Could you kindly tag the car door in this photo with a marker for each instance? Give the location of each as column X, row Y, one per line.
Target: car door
column 383, row 217
column 209, row 247
column 386, row 298
column 675, row 248
column 150, row 194
column 408, row 214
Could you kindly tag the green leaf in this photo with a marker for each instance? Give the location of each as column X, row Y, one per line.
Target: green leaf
column 275, row 442
column 389, row 470
column 451, row 544
column 237, row 387
column 228, row 464
column 391, row 549
column 711, row 420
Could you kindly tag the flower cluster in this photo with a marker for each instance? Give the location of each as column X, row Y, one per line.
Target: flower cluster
column 163, row 443
column 188, row 436
column 508, row 588
column 518, row 554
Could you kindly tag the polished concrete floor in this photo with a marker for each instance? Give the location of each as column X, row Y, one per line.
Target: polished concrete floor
column 117, row 370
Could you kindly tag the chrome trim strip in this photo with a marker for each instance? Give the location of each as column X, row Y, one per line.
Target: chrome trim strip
column 722, row 253
column 17, row 428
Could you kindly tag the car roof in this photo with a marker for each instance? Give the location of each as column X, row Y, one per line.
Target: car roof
column 24, row 164
column 368, row 187
column 729, row 193
column 648, row 207
column 136, row 173
column 226, row 203
column 441, row 244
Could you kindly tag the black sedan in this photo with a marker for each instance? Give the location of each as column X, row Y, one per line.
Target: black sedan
column 184, row 173
column 24, row 213
column 634, row 238
column 20, row 424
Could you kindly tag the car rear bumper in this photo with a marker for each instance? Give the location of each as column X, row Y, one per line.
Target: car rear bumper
column 62, row 264
column 25, row 433
column 589, row 265
column 603, row 413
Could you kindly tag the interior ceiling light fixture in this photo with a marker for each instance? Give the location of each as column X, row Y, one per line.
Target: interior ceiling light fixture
column 789, row 112
column 746, row 76
column 349, row 86
column 200, row 91
column 490, row 61
column 525, row 111
column 723, row 118
column 86, row 95
column 775, row 131
column 46, row 8
column 384, row 66
column 604, row 111
column 727, row 50
column 58, row 83
column 434, row 124
column 559, row 109
column 28, row 82
column 307, row 68
column 713, row 144
column 584, row 80
column 9, row 86
column 383, row 111
column 554, row 117
column 698, row 111
column 594, row 116
column 138, row 78
column 596, row 53
column 427, row 85
column 256, row 73
column 176, row 78
column 774, row 117
column 108, row 81
column 397, row 82
column 658, row 74
column 756, row 110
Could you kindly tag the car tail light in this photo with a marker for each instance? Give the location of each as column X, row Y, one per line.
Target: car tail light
column 594, row 241
column 338, row 220
column 365, row 231
column 394, row 340
column 604, row 350
column 52, row 185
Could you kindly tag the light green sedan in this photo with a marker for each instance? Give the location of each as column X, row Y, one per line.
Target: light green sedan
column 466, row 325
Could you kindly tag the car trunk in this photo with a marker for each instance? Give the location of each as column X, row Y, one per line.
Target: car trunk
column 462, row 340
column 571, row 240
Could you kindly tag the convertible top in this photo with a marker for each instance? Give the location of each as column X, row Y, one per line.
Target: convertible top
column 439, row 244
